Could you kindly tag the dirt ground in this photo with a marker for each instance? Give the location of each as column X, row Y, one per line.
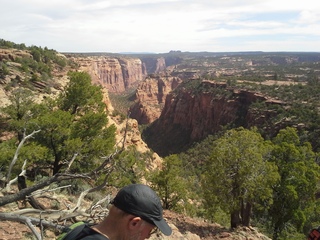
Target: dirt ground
column 184, row 228
column 13, row 231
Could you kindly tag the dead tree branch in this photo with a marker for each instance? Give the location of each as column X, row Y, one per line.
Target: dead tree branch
column 34, row 231
column 84, row 193
column 71, row 161
column 15, row 157
column 24, row 219
column 117, row 151
column 23, row 172
column 46, row 182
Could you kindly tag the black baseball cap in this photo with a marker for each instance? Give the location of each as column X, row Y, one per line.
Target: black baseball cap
column 140, row 200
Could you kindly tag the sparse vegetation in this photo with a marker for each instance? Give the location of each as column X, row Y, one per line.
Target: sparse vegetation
column 122, row 102
column 35, row 64
column 236, row 177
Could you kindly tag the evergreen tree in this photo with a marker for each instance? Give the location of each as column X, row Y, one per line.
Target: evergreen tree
column 130, row 167
column 295, row 191
column 73, row 127
column 78, row 126
column 20, row 112
column 238, row 175
column 81, row 95
column 170, row 183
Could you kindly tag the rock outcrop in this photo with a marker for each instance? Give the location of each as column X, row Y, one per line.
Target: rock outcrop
column 117, row 74
column 154, row 64
column 157, row 64
column 150, row 97
column 16, row 77
column 12, row 54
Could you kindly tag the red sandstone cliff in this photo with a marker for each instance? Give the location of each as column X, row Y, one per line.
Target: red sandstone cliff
column 117, row 74
column 191, row 115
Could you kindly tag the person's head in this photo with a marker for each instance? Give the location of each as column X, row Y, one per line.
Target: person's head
column 139, row 208
column 125, row 226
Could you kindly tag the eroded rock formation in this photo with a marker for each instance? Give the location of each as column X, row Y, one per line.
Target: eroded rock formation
column 151, row 95
column 12, row 54
column 117, row 74
column 154, row 65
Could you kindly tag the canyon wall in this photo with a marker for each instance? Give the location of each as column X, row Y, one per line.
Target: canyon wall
column 154, row 64
column 150, row 97
column 190, row 116
column 159, row 64
column 117, row 74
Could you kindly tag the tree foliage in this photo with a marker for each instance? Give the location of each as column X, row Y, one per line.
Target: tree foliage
column 129, row 167
column 278, row 177
column 238, row 175
column 19, row 112
column 80, row 95
column 170, row 183
column 72, row 127
column 294, row 194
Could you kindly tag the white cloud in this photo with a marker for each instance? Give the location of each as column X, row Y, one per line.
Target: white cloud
column 309, row 17
column 162, row 25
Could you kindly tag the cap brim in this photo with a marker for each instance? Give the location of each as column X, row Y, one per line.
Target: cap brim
column 163, row 226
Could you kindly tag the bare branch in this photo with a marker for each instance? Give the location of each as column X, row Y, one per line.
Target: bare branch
column 84, row 193
column 58, row 215
column 97, row 211
column 117, row 151
column 34, row 231
column 24, row 219
column 103, row 200
column 23, row 172
column 71, row 161
column 126, row 130
column 15, row 157
column 49, row 190
column 27, row 191
column 8, row 186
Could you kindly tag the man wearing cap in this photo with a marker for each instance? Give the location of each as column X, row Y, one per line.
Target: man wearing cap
column 135, row 213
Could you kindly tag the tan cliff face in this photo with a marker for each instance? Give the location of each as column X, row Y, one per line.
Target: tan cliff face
column 154, row 65
column 160, row 65
column 150, row 97
column 115, row 74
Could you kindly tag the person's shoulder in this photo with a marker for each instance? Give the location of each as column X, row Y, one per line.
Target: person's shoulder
column 90, row 234
column 96, row 236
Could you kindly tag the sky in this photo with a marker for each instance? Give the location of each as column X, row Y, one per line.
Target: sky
column 159, row 26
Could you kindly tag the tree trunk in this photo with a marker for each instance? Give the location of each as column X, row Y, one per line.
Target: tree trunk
column 275, row 235
column 33, row 202
column 56, row 165
column 235, row 219
column 246, row 213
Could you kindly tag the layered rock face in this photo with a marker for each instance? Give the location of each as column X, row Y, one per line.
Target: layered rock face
column 116, row 74
column 154, row 65
column 188, row 116
column 150, row 97
column 159, row 64
column 12, row 54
